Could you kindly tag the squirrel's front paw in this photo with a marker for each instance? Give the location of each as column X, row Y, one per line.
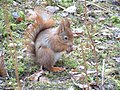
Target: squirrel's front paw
column 57, row 69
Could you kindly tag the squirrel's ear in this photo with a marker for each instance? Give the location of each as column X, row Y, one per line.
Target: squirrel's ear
column 61, row 27
column 67, row 22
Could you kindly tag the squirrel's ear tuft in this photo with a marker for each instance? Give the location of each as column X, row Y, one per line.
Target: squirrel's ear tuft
column 61, row 27
column 67, row 22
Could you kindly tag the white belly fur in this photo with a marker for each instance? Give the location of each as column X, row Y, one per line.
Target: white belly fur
column 57, row 56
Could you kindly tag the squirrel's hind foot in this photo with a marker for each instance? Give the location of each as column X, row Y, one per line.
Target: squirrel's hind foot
column 57, row 69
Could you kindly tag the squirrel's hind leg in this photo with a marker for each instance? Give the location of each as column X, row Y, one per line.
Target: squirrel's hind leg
column 45, row 56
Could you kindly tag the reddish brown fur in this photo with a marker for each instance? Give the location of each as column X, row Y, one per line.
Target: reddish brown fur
column 2, row 67
column 49, row 42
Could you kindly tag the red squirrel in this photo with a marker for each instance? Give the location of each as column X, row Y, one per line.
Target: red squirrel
column 48, row 41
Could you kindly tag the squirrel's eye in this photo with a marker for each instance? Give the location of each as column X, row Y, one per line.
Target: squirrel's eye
column 65, row 38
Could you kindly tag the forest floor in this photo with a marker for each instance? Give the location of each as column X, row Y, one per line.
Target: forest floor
column 95, row 44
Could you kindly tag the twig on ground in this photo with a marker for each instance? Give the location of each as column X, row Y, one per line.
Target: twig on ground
column 103, row 69
column 76, row 84
column 90, row 3
column 90, row 37
column 94, row 53
column 14, row 56
column 61, row 7
column 85, row 64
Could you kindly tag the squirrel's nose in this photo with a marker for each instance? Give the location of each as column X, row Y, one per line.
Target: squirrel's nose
column 70, row 48
column 70, row 44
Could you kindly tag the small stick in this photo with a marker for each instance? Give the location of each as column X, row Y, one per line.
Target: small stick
column 85, row 64
column 76, row 84
column 92, row 42
column 90, row 3
column 61, row 7
column 103, row 69
column 14, row 56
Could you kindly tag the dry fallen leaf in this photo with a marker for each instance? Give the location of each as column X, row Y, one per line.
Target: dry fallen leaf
column 39, row 76
column 71, row 9
column 52, row 9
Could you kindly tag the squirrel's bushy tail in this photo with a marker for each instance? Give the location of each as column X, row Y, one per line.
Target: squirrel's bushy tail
column 41, row 21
